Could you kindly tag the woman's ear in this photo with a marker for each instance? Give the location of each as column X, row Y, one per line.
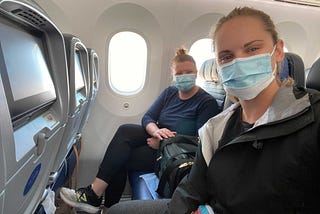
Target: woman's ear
column 279, row 52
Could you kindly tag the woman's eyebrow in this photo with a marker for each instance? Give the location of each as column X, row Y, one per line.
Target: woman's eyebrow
column 224, row 52
column 251, row 42
column 245, row 45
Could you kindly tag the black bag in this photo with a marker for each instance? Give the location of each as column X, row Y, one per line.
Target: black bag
column 174, row 161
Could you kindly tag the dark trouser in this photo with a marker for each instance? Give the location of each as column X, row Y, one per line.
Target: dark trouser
column 127, row 151
column 140, row 207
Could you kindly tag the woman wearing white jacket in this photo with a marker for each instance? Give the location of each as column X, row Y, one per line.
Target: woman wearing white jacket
column 262, row 154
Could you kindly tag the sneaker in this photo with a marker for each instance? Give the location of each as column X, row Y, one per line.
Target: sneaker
column 83, row 199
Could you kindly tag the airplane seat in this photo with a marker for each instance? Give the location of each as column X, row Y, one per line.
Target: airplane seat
column 94, row 72
column 79, row 84
column 139, row 188
column 293, row 66
column 34, row 104
column 210, row 81
column 93, row 80
column 66, row 169
column 143, row 185
column 313, row 79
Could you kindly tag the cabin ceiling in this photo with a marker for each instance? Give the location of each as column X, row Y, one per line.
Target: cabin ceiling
column 314, row 3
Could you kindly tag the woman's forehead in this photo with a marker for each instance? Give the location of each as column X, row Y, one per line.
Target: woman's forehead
column 184, row 66
column 239, row 31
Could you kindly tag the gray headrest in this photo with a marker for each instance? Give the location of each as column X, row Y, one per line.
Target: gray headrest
column 313, row 79
column 293, row 66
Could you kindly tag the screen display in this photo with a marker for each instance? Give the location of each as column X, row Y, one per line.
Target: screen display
column 79, row 83
column 25, row 72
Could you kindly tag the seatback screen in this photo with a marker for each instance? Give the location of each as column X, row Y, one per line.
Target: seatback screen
column 24, row 69
column 79, row 83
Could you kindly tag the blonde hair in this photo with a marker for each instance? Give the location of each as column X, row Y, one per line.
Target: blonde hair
column 247, row 11
column 182, row 56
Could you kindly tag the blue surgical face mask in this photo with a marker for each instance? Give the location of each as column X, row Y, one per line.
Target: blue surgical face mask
column 184, row 82
column 245, row 78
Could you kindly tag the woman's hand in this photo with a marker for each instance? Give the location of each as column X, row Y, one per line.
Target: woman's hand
column 163, row 133
column 153, row 142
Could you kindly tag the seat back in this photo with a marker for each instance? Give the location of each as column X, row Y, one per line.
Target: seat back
column 94, row 72
column 293, row 66
column 93, row 85
column 78, row 70
column 313, row 79
column 210, row 81
column 34, row 103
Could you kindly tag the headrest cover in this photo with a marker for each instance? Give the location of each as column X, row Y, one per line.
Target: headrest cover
column 208, row 71
column 313, row 79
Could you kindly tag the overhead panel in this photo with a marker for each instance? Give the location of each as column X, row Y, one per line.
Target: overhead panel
column 314, row 3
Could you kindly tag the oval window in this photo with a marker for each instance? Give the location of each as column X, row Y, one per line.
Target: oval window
column 127, row 63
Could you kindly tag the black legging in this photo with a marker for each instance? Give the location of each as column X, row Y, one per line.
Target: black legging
column 127, row 151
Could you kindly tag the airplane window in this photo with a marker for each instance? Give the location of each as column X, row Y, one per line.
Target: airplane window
column 127, row 63
column 201, row 50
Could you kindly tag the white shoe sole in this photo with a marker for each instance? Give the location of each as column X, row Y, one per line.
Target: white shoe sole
column 78, row 205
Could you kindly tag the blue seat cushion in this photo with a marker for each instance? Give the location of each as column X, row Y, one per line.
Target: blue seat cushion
column 144, row 185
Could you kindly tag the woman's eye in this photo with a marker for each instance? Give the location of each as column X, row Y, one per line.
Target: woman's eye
column 225, row 59
column 252, row 49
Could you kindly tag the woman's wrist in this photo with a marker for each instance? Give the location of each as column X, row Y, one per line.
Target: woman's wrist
column 154, row 133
